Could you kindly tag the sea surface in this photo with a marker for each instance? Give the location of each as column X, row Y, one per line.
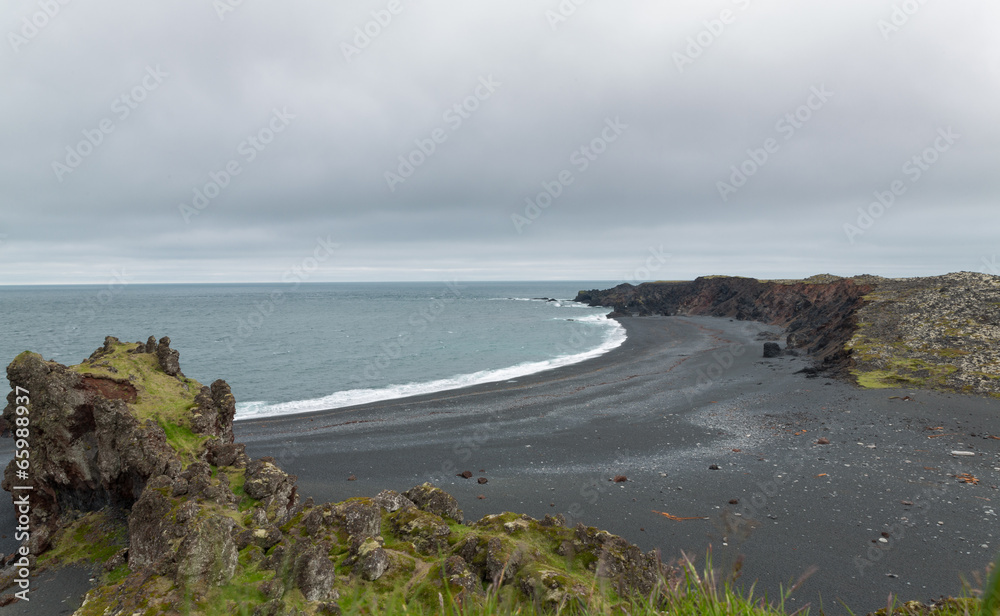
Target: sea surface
column 296, row 348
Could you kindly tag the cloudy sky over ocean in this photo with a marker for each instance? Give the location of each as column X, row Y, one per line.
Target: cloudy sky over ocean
column 210, row 141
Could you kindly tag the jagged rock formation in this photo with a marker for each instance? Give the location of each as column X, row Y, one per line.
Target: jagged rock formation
column 140, row 461
column 819, row 313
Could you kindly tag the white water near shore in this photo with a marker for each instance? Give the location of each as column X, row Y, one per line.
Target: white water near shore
column 614, row 336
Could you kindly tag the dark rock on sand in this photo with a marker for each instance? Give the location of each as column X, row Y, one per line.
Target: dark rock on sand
column 772, row 350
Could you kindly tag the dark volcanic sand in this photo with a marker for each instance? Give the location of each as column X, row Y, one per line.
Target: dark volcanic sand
column 549, row 443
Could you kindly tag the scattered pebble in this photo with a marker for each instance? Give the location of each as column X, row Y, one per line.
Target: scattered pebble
column 352, row 478
column 482, row 480
column 466, row 474
column 734, row 501
column 713, row 467
column 823, row 441
column 619, row 479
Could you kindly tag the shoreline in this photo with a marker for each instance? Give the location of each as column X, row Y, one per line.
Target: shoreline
column 548, row 443
column 449, row 384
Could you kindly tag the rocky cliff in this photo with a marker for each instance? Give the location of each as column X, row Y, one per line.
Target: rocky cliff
column 939, row 332
column 819, row 314
column 135, row 470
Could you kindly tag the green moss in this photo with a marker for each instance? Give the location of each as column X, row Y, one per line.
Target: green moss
column 949, row 353
column 165, row 399
column 160, row 396
column 118, row 574
column 186, row 443
column 94, row 538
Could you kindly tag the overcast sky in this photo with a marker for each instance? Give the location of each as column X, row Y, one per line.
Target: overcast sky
column 735, row 136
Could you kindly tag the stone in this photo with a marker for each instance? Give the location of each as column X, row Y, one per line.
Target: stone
column 390, row 500
column 772, row 350
column 426, row 531
column 372, row 560
column 168, row 358
column 458, row 573
column 208, row 553
column 150, row 533
column 359, row 518
column 435, row 500
column 314, row 575
column 275, row 488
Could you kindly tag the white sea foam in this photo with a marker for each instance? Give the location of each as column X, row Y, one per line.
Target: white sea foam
column 613, row 338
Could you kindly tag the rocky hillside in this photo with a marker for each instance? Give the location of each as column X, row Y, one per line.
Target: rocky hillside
column 819, row 315
column 941, row 332
column 135, row 470
column 938, row 332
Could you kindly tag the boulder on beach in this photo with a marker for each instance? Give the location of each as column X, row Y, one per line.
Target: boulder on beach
column 771, row 350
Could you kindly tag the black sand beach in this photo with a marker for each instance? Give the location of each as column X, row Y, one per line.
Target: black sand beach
column 683, row 394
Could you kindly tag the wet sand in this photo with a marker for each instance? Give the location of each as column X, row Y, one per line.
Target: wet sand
column 683, row 394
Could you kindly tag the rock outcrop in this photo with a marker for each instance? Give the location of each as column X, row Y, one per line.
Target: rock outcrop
column 130, row 453
column 939, row 332
column 818, row 313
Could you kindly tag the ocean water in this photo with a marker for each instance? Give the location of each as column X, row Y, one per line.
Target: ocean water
column 288, row 349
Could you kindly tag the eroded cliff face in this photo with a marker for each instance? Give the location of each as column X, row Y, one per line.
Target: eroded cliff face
column 820, row 317
column 89, row 449
column 136, row 471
